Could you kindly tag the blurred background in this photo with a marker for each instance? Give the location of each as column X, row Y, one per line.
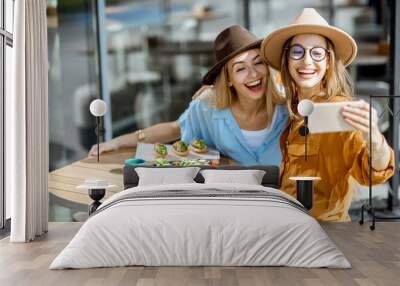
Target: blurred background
column 147, row 58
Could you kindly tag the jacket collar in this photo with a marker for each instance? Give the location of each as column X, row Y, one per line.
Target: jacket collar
column 277, row 125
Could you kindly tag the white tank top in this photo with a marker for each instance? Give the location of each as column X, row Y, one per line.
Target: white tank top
column 255, row 138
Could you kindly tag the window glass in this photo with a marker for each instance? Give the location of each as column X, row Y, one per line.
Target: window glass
column 157, row 53
column 9, row 16
column 73, row 83
column 72, row 80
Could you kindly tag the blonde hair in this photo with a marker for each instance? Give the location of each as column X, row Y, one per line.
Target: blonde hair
column 336, row 81
column 226, row 95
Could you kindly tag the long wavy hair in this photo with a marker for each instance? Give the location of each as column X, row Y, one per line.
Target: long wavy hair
column 226, row 95
column 336, row 81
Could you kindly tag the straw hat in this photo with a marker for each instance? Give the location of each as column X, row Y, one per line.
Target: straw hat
column 229, row 43
column 308, row 22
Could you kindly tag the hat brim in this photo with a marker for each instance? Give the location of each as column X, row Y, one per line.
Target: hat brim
column 215, row 69
column 272, row 46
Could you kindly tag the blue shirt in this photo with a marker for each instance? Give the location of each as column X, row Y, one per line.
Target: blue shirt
column 220, row 130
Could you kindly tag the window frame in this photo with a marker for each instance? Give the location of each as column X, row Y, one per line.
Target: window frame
column 6, row 39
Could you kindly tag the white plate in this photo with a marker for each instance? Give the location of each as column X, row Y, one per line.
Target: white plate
column 145, row 151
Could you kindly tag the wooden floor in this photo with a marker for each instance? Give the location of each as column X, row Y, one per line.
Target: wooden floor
column 375, row 257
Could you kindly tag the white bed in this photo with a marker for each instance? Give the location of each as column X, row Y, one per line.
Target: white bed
column 223, row 225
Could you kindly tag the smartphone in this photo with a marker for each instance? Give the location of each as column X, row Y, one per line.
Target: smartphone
column 327, row 117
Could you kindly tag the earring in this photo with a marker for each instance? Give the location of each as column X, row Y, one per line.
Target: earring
column 230, row 84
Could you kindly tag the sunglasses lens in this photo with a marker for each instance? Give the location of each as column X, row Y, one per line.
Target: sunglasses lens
column 318, row 54
column 296, row 52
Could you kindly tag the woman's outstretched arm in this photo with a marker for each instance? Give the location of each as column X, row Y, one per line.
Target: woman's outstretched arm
column 162, row 132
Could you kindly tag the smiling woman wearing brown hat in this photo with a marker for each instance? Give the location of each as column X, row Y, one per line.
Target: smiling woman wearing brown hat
column 242, row 116
column 312, row 56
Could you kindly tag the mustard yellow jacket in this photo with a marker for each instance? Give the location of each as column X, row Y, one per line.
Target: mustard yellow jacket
column 337, row 158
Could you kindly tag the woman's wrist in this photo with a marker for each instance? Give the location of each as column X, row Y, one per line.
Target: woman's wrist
column 380, row 154
column 124, row 141
column 377, row 140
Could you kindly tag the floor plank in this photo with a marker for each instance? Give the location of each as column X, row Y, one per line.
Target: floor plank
column 375, row 257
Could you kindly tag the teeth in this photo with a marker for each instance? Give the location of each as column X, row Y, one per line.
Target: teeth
column 254, row 83
column 306, row 71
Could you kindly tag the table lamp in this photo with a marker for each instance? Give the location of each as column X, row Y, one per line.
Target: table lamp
column 98, row 108
column 97, row 190
column 305, row 190
column 305, row 184
column 305, row 108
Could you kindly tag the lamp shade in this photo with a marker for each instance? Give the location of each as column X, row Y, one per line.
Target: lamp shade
column 305, row 107
column 98, row 107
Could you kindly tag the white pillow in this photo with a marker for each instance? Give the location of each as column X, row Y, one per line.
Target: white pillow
column 166, row 176
column 248, row 177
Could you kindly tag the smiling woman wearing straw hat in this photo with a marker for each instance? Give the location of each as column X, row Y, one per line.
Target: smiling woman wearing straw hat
column 312, row 56
column 242, row 116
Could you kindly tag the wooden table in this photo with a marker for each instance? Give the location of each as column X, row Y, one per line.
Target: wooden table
column 63, row 181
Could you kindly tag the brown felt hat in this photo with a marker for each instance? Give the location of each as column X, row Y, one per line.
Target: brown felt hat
column 308, row 22
column 229, row 43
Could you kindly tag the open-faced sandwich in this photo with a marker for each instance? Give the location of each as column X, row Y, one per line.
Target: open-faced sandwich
column 160, row 150
column 180, row 148
column 198, row 146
